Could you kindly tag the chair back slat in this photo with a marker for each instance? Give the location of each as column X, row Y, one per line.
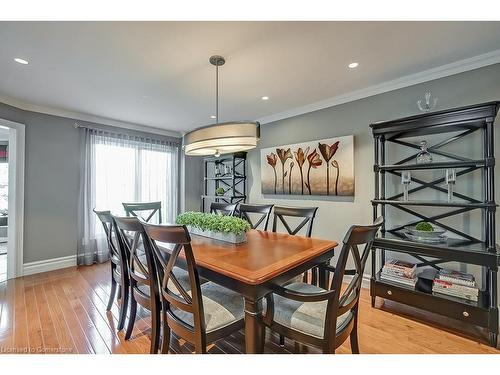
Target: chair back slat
column 306, row 213
column 111, row 236
column 142, row 269
column 145, row 210
column 263, row 209
column 173, row 292
column 347, row 299
column 223, row 208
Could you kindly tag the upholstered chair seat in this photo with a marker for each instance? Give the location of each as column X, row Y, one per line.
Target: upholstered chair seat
column 305, row 317
column 222, row 307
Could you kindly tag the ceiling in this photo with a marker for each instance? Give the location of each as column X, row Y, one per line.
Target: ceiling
column 157, row 73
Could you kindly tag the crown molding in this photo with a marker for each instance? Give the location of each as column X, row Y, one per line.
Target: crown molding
column 456, row 67
column 85, row 117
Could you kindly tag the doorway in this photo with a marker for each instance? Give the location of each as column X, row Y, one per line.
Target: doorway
column 12, row 157
column 4, row 200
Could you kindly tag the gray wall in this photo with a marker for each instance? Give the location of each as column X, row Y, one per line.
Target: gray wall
column 334, row 216
column 193, row 182
column 51, row 184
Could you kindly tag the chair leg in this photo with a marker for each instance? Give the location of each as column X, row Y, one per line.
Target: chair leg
column 111, row 294
column 165, row 343
column 354, row 341
column 314, row 276
column 282, row 341
column 123, row 306
column 132, row 316
column 155, row 330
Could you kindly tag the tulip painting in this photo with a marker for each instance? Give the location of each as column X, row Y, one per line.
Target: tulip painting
column 284, row 155
column 271, row 160
column 322, row 167
column 290, row 179
column 314, row 162
column 327, row 151
column 300, row 157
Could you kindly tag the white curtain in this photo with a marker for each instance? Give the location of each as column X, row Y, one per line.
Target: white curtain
column 120, row 168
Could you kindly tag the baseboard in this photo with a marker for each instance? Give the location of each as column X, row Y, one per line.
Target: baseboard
column 48, row 265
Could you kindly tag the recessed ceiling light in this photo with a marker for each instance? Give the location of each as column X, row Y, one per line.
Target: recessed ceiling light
column 213, row 116
column 21, row 61
column 265, row 98
column 353, row 65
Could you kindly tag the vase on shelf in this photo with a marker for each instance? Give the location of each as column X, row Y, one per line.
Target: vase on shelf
column 424, row 156
column 405, row 181
column 451, row 178
column 428, row 103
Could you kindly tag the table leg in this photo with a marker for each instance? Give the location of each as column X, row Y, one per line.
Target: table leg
column 254, row 328
column 323, row 277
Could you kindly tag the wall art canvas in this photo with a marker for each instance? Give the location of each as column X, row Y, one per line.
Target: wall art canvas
column 323, row 167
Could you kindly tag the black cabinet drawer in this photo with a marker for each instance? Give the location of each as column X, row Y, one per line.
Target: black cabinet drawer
column 470, row 312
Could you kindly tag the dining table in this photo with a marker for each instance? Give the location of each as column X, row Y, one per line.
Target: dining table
column 252, row 269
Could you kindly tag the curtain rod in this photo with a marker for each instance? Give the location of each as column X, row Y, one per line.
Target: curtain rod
column 118, row 130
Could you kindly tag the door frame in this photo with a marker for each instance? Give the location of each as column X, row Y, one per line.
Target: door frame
column 15, row 225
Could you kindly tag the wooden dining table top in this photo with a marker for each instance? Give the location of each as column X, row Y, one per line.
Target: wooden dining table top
column 263, row 256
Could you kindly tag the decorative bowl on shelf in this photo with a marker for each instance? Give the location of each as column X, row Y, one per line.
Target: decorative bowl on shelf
column 430, row 234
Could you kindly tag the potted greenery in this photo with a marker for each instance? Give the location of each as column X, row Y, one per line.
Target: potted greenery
column 223, row 228
column 219, row 191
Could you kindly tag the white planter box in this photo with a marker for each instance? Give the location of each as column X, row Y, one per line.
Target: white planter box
column 226, row 237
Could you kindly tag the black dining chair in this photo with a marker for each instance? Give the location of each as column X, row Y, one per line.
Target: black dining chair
column 143, row 276
column 324, row 318
column 262, row 211
column 284, row 216
column 197, row 313
column 223, row 208
column 144, row 210
column 119, row 268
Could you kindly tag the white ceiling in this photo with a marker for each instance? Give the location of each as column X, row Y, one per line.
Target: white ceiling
column 157, row 73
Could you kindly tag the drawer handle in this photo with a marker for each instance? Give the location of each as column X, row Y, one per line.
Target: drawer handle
column 466, row 314
column 389, row 292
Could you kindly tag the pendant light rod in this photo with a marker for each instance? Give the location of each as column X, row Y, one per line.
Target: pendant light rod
column 216, row 94
column 217, row 61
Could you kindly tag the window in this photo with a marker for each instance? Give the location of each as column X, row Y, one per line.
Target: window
column 134, row 171
column 119, row 168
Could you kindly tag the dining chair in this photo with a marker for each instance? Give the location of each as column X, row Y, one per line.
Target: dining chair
column 324, row 318
column 307, row 214
column 145, row 210
column 119, row 268
column 223, row 208
column 197, row 313
column 262, row 210
column 143, row 281
column 285, row 215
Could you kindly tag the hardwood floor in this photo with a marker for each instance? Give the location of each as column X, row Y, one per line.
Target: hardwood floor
column 64, row 311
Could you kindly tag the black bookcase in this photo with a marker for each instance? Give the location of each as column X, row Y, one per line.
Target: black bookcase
column 451, row 125
column 228, row 172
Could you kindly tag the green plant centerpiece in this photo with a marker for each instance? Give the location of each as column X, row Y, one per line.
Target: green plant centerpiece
column 219, row 191
column 223, row 228
column 424, row 227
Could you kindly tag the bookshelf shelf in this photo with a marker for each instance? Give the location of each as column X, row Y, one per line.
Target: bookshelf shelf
column 465, row 249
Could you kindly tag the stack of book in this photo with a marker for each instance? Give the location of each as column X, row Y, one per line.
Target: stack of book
column 456, row 284
column 401, row 272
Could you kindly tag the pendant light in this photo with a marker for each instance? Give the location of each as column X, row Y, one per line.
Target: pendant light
column 221, row 138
